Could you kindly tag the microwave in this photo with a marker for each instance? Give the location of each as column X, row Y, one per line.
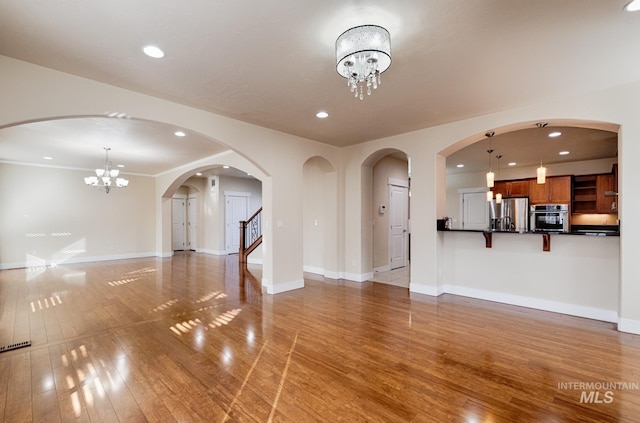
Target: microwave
column 549, row 218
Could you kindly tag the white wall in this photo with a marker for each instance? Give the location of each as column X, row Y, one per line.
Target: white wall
column 278, row 160
column 49, row 216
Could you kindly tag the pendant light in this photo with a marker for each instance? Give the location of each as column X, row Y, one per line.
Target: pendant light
column 498, row 195
column 490, row 174
column 541, row 172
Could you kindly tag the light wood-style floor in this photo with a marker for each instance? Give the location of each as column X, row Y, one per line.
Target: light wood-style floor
column 192, row 339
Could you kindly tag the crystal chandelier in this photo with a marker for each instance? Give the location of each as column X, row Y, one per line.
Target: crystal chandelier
column 362, row 54
column 106, row 177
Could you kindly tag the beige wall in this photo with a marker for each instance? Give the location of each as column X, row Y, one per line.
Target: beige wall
column 49, row 216
column 40, row 93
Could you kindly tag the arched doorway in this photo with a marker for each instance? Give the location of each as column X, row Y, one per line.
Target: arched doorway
column 387, row 172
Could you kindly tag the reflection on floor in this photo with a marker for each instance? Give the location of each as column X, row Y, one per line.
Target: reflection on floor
column 396, row 277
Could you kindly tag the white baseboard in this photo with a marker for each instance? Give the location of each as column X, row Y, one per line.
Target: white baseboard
column 431, row 290
column 73, row 260
column 357, row 277
column 313, row 269
column 254, row 260
column 332, row 275
column 629, row 326
column 213, row 252
column 282, row 287
column 380, row 269
column 536, row 303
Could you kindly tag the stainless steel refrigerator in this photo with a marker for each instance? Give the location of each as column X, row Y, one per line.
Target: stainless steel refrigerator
column 510, row 215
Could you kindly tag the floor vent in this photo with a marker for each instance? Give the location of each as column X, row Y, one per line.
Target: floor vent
column 15, row 346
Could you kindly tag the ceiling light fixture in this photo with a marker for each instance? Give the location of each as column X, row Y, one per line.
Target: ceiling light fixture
column 490, row 174
column 632, row 6
column 555, row 134
column 322, row 115
column 103, row 178
column 498, row 195
column 541, row 172
column 362, row 54
column 180, row 134
column 563, row 153
column 153, row 51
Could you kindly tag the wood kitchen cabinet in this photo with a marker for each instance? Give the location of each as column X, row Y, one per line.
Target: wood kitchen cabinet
column 555, row 190
column 517, row 188
column 589, row 193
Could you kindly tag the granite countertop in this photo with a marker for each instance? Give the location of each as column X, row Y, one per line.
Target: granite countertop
column 587, row 230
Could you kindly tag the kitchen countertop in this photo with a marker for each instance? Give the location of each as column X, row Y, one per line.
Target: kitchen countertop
column 593, row 232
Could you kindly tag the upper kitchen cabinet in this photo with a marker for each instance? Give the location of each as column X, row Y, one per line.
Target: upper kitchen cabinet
column 605, row 199
column 594, row 193
column 555, row 190
column 517, row 188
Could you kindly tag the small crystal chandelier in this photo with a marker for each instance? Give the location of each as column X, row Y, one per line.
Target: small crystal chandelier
column 362, row 54
column 105, row 177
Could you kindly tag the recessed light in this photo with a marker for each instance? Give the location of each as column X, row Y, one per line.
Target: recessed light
column 632, row 6
column 225, row 167
column 460, row 165
column 322, row 115
column 153, row 51
column 120, row 166
column 555, row 134
column 512, row 164
column 199, row 174
column 48, row 158
column 180, row 134
column 563, row 153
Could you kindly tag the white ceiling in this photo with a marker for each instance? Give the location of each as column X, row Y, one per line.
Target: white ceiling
column 272, row 63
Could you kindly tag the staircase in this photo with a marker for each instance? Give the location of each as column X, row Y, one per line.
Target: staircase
column 250, row 235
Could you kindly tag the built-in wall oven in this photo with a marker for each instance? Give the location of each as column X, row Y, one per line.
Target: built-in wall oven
column 550, row 218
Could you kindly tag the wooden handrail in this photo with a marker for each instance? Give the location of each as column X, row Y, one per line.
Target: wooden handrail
column 255, row 237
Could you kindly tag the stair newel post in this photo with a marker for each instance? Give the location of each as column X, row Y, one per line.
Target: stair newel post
column 243, row 230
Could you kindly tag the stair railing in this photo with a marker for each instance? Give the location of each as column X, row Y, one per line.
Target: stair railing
column 250, row 235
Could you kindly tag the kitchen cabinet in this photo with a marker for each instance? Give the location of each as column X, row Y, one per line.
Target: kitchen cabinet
column 517, row 188
column 584, row 194
column 604, row 203
column 589, row 193
column 555, row 190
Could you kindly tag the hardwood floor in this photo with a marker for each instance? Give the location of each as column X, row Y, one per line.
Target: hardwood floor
column 191, row 339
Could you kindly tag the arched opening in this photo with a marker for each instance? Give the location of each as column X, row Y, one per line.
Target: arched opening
column 320, row 217
column 386, row 191
column 569, row 274
column 215, row 200
column 564, row 149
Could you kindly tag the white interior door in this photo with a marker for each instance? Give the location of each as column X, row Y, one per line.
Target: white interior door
column 178, row 217
column 475, row 210
column 398, row 218
column 236, row 210
column 192, row 222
